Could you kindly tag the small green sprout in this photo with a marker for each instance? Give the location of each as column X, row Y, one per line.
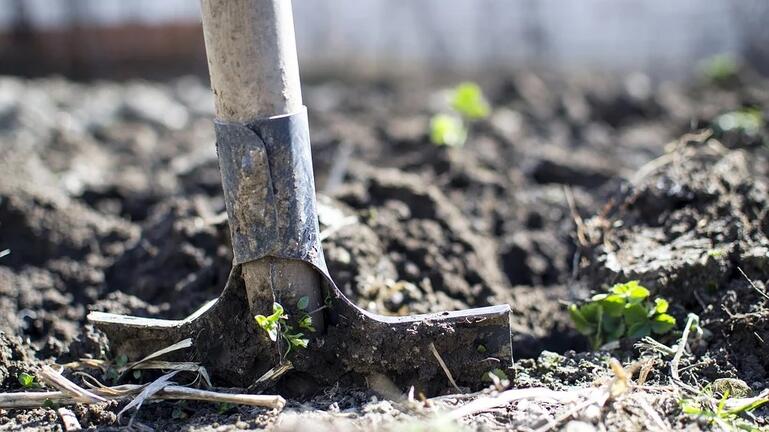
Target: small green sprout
column 481, row 349
column 716, row 253
column 467, row 104
column 27, row 380
column 447, row 129
column 495, row 373
column 121, row 361
column 277, row 324
column 748, row 121
column 271, row 324
column 467, row 99
column 114, row 371
column 720, row 69
column 724, row 417
column 305, row 322
column 623, row 312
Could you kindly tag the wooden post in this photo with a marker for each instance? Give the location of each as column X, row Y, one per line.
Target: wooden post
column 252, row 61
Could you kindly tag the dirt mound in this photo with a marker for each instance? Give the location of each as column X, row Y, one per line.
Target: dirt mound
column 692, row 226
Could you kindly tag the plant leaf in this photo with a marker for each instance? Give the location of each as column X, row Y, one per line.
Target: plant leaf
column 592, row 312
column 26, row 380
column 580, row 323
column 613, row 328
column 468, row 100
column 635, row 313
column 303, row 303
column 631, row 290
column 613, row 305
column 661, row 305
column 447, row 130
column 306, row 323
column 663, row 323
column 639, row 330
column 277, row 313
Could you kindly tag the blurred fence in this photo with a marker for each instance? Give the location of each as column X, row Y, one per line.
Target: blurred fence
column 87, row 38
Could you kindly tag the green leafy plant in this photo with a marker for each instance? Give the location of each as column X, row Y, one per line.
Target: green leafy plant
column 748, row 121
column 467, row 104
column 27, row 381
column 467, row 99
column 497, row 372
column 720, row 69
column 720, row 414
column 271, row 323
column 625, row 311
column 447, row 129
column 277, row 324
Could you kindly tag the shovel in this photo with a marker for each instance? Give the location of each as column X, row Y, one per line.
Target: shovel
column 264, row 156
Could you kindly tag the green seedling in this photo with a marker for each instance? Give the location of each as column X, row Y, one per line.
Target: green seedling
column 277, row 325
column 113, row 372
column 498, row 373
column 720, row 69
column 467, row 104
column 623, row 312
column 467, row 99
column 271, row 323
column 715, row 253
column 720, row 415
column 748, row 121
column 448, row 130
column 27, row 381
column 303, row 303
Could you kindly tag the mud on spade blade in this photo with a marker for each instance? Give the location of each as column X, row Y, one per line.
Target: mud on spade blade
column 269, row 191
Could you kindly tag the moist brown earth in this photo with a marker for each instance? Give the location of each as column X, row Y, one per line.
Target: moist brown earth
column 111, row 200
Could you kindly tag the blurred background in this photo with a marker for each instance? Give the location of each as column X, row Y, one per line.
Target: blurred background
column 84, row 39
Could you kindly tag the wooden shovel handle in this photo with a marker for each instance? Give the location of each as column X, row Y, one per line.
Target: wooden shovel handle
column 251, row 50
column 252, row 60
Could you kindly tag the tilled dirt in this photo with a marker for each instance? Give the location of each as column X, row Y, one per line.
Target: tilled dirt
column 111, row 200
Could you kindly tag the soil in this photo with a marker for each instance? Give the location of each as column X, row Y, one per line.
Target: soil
column 111, row 200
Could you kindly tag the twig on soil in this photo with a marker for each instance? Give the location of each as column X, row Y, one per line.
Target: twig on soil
column 57, row 380
column 650, row 167
column 646, row 369
column 274, row 373
column 68, row 420
column 186, row 343
column 649, row 410
column 504, row 398
column 674, row 364
column 760, row 291
column 175, row 392
column 177, row 366
column 581, row 237
column 444, row 367
column 145, row 394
